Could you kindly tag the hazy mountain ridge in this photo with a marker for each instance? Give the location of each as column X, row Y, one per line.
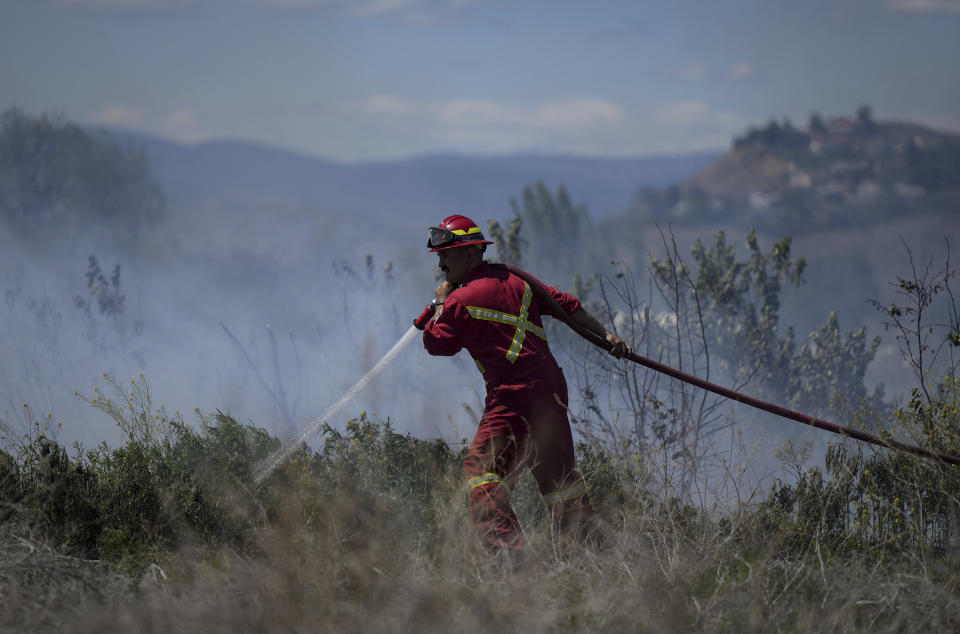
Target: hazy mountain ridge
column 415, row 189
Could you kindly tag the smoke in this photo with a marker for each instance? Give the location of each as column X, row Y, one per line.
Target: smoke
column 267, row 318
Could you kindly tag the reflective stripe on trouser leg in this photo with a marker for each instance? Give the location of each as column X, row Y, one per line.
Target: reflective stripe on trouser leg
column 566, row 495
column 491, row 456
column 491, row 512
column 571, row 509
column 480, row 480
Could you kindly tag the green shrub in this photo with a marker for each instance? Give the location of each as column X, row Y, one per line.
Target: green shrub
column 880, row 500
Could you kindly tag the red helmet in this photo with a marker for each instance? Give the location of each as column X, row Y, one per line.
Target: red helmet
column 455, row 231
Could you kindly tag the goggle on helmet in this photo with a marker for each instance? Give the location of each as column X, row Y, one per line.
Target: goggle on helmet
column 454, row 231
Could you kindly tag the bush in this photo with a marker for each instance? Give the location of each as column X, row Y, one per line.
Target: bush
column 881, row 500
column 371, row 531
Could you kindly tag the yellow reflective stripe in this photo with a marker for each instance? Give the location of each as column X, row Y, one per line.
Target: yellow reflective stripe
column 481, row 480
column 566, row 495
column 514, row 351
column 493, row 315
column 465, row 232
column 520, row 321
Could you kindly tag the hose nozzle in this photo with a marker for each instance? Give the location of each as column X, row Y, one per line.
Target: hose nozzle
column 421, row 322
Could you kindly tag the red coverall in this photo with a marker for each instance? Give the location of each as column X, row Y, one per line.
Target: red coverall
column 496, row 317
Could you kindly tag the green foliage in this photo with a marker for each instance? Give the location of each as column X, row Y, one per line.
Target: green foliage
column 170, row 485
column 378, row 469
column 816, row 125
column 56, row 179
column 107, row 295
column 784, row 138
column 739, row 303
column 926, row 341
column 605, row 481
column 879, row 501
column 58, row 491
column 510, row 242
column 103, row 309
column 547, row 231
column 167, row 485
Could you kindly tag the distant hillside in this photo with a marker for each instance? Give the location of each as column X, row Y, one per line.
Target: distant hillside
column 834, row 173
column 244, row 175
column 842, row 157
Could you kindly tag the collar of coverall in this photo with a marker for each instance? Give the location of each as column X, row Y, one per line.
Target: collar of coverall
column 478, row 271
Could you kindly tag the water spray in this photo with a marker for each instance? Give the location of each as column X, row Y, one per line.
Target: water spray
column 287, row 450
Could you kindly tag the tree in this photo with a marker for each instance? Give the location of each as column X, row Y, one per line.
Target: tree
column 741, row 300
column 927, row 342
column 865, row 121
column 816, row 124
column 510, row 242
column 59, row 181
column 547, row 231
column 716, row 317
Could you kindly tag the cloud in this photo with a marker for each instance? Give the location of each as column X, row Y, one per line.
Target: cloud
column 414, row 9
column 740, row 70
column 180, row 124
column 380, row 7
column 578, row 112
column 925, row 6
column 479, row 112
column 693, row 72
column 478, row 125
column 576, row 125
column 368, row 8
column 304, row 4
column 119, row 116
column 693, row 125
column 383, row 105
column 129, row 6
column 699, row 71
column 690, row 114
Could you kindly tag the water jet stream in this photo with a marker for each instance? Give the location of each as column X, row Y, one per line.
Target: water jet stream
column 331, row 411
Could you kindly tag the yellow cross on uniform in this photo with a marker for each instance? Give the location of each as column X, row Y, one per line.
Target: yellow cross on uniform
column 520, row 321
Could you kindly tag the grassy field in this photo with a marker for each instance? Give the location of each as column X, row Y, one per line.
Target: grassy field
column 370, row 532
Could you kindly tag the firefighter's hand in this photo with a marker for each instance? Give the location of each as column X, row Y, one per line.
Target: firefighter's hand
column 619, row 347
column 443, row 290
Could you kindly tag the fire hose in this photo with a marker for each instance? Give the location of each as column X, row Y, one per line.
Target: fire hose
column 545, row 300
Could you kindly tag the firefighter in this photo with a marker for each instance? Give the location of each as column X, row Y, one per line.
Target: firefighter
column 497, row 318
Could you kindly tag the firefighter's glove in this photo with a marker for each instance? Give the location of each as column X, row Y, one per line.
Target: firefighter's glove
column 618, row 346
column 443, row 290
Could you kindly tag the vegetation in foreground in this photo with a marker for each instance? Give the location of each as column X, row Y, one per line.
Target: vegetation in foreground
column 171, row 531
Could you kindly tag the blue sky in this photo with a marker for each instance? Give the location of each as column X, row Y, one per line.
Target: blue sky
column 378, row 79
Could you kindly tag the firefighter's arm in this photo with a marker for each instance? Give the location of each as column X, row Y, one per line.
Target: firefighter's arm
column 443, row 335
column 620, row 349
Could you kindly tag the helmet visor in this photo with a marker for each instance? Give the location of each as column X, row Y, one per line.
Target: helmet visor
column 439, row 237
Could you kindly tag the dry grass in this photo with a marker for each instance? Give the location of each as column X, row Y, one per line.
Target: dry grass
column 44, row 589
column 371, row 533
column 326, row 573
